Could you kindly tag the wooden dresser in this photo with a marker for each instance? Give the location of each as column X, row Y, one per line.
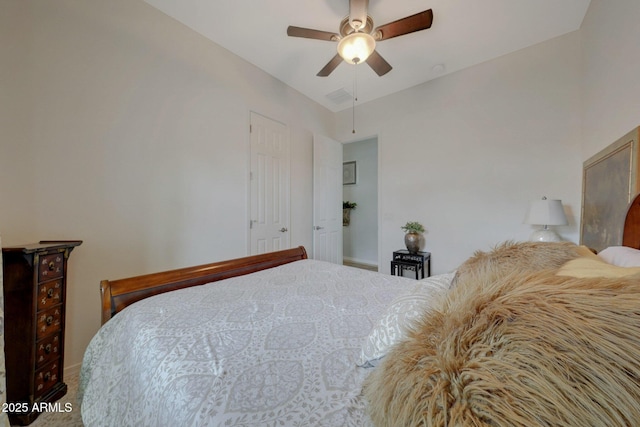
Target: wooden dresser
column 35, row 280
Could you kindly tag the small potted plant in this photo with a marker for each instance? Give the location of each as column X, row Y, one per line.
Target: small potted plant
column 346, row 212
column 413, row 238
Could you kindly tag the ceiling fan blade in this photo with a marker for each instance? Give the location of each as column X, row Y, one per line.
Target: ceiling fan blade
column 358, row 13
column 308, row 33
column 378, row 63
column 331, row 65
column 410, row 24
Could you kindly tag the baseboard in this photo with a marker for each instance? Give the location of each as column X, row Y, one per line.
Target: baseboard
column 72, row 370
column 359, row 261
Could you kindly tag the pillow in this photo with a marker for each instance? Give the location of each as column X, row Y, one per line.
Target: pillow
column 622, row 256
column 404, row 309
column 595, row 267
column 511, row 257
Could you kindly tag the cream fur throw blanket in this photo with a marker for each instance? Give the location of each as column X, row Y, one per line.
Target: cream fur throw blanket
column 521, row 257
column 531, row 349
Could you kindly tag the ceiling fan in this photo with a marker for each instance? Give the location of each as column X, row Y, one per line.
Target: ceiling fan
column 357, row 37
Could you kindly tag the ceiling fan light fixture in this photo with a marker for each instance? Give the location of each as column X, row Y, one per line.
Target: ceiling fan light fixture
column 356, row 47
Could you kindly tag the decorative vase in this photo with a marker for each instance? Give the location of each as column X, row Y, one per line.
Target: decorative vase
column 346, row 217
column 412, row 242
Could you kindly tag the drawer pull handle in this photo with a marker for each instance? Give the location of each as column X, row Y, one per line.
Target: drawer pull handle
column 47, row 376
column 52, row 266
column 50, row 293
column 49, row 320
column 47, row 349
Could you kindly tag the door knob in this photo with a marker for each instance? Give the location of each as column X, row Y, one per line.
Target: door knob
column 317, row 227
column 283, row 230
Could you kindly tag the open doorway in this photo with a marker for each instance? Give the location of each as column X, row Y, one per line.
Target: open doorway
column 360, row 235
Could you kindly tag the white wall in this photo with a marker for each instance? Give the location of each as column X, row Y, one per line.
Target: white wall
column 464, row 154
column 123, row 128
column 360, row 238
column 610, row 73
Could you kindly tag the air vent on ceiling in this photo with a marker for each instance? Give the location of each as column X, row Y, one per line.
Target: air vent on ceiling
column 339, row 96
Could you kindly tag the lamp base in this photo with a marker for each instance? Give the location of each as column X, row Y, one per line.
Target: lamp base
column 545, row 235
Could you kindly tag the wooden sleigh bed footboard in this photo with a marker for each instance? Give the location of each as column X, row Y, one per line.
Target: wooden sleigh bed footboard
column 118, row 294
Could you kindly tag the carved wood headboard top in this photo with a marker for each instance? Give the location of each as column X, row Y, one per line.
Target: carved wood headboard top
column 631, row 233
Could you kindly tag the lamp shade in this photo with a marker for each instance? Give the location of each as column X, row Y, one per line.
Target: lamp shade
column 356, row 47
column 546, row 212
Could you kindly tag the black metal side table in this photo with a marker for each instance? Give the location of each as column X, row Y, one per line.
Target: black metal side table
column 419, row 262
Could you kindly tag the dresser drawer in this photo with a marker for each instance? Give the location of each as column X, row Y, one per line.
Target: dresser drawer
column 51, row 266
column 47, row 377
column 47, row 350
column 49, row 294
column 49, row 321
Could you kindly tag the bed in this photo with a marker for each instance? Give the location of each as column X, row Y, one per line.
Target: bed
column 273, row 339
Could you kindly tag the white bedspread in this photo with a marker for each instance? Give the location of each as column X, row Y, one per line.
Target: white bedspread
column 274, row 348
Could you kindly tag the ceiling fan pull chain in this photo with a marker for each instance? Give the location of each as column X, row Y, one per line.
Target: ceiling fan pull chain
column 355, row 83
column 354, row 98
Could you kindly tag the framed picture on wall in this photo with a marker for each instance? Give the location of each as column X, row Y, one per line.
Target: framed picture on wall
column 349, row 173
column 610, row 181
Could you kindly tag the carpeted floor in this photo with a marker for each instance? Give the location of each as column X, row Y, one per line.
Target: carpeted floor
column 63, row 419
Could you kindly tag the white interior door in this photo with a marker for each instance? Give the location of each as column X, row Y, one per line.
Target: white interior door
column 327, row 199
column 269, row 199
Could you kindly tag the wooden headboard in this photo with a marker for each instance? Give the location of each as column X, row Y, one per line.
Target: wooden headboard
column 118, row 294
column 631, row 233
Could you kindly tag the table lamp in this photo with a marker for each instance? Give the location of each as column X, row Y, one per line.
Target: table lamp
column 545, row 212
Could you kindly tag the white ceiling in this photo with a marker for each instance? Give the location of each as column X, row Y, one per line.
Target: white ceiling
column 464, row 33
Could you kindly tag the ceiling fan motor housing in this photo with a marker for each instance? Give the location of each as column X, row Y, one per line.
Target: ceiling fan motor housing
column 346, row 28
